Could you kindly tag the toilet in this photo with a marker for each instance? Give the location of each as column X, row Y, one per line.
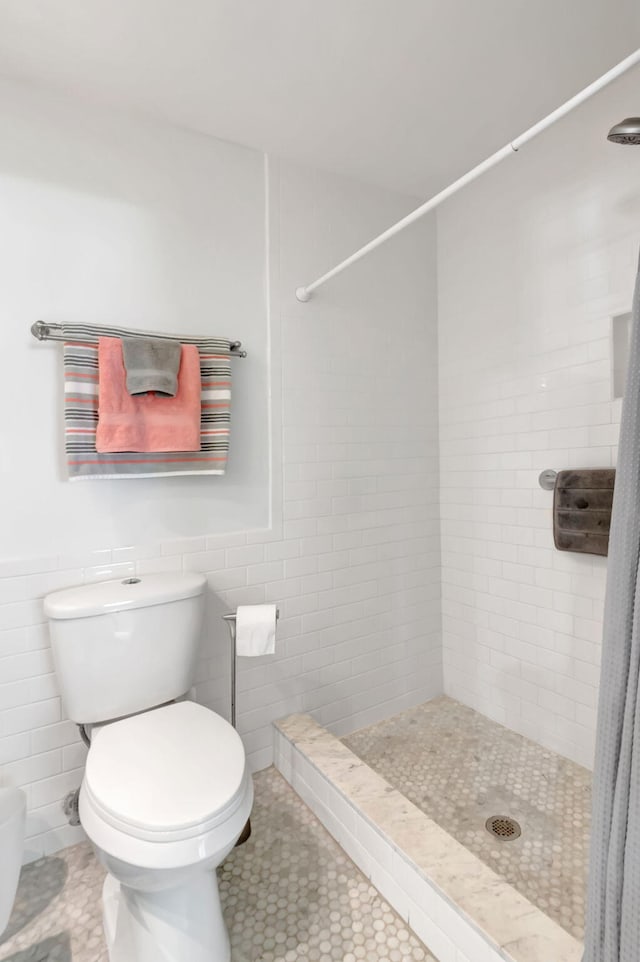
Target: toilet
column 12, row 821
column 166, row 790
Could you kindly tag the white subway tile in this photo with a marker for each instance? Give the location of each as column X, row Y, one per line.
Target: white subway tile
column 34, row 768
column 244, row 556
column 136, row 552
column 204, row 560
column 28, row 717
column 47, row 790
column 125, row 569
column 55, row 735
column 182, row 546
column 157, row 565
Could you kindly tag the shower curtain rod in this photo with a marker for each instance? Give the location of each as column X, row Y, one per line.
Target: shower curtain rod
column 304, row 293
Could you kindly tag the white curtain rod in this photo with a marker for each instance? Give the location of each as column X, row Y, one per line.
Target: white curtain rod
column 304, row 293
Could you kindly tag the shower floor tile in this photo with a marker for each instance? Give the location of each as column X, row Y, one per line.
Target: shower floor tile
column 460, row 768
column 290, row 894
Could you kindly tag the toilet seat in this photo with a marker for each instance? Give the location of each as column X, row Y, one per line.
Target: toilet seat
column 166, row 774
column 166, row 787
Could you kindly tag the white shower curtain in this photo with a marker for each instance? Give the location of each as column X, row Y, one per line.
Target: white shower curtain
column 613, row 914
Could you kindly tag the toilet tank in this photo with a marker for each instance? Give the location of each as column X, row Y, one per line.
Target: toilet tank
column 121, row 647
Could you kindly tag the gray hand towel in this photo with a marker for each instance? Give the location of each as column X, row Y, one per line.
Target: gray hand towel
column 151, row 364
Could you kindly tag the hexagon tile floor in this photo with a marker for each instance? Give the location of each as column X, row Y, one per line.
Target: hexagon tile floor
column 461, row 768
column 290, row 894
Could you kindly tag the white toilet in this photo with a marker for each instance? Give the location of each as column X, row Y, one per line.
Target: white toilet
column 166, row 791
column 12, row 820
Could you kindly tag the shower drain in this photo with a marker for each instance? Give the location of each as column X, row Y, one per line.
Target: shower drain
column 503, row 827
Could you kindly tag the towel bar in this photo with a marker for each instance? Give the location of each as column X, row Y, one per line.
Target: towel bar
column 50, row 331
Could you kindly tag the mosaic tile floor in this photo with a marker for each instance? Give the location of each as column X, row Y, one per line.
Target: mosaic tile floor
column 290, row 894
column 461, row 768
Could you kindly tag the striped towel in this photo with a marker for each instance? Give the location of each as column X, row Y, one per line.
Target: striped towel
column 81, row 411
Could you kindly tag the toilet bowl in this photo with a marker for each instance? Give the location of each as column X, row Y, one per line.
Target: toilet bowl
column 12, row 819
column 166, row 791
column 165, row 797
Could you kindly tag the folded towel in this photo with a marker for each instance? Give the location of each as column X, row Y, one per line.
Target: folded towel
column 80, row 358
column 146, row 423
column 151, row 364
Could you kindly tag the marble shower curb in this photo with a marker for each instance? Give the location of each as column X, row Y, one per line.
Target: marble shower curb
column 460, row 908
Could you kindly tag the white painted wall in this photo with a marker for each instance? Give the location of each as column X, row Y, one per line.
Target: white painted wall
column 158, row 224
column 355, row 87
column 109, row 220
column 534, row 259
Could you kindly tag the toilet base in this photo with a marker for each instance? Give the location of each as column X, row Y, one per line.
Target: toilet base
column 182, row 924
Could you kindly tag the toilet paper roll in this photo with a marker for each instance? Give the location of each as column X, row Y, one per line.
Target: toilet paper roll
column 255, row 630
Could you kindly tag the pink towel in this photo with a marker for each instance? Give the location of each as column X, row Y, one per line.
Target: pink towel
column 147, row 422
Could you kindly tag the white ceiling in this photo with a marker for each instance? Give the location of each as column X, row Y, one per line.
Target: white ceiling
column 403, row 93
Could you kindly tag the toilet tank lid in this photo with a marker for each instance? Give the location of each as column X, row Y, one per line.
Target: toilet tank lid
column 123, row 594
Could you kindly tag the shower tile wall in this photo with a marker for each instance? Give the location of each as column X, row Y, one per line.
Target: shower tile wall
column 533, row 262
column 353, row 562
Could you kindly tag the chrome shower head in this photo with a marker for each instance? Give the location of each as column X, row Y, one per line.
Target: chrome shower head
column 626, row 132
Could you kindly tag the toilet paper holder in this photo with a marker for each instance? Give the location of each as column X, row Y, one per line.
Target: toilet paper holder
column 231, row 622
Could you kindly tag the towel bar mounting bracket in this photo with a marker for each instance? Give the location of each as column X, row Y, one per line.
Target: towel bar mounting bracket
column 547, row 479
column 40, row 330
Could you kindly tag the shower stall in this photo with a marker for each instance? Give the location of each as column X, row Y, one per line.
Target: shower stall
column 497, row 772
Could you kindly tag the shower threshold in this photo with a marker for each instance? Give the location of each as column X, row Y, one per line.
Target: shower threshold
column 462, row 908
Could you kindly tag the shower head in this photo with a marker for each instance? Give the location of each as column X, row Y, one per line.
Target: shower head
column 626, row 132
